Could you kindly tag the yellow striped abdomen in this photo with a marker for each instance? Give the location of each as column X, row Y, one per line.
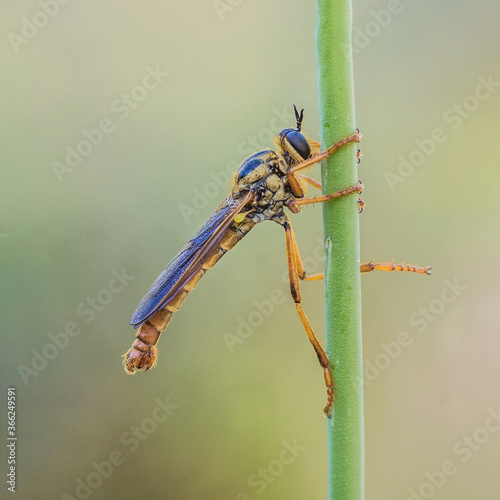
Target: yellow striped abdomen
column 143, row 354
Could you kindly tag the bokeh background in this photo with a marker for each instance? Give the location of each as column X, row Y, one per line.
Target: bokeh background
column 216, row 417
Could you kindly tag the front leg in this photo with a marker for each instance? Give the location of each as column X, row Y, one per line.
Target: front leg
column 290, row 175
column 356, row 137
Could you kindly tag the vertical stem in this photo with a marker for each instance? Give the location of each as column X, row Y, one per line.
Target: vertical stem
column 341, row 230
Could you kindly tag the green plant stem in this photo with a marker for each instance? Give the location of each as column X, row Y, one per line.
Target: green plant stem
column 341, row 232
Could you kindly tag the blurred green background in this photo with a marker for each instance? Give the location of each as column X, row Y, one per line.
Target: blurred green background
column 232, row 415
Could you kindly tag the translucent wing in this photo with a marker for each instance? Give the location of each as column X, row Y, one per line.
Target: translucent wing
column 189, row 260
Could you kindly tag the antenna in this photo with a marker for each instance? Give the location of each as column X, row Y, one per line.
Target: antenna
column 298, row 117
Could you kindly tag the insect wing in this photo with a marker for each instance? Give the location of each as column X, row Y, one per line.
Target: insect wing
column 189, row 260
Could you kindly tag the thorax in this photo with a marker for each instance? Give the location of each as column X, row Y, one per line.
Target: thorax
column 264, row 173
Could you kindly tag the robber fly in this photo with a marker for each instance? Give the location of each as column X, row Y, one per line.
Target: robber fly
column 265, row 184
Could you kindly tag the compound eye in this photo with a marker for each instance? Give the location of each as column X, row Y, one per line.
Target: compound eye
column 299, row 143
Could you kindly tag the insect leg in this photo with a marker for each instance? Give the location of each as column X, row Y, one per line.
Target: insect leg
column 356, row 137
column 295, row 290
column 290, row 175
column 292, row 204
column 311, row 181
column 368, row 267
column 301, row 273
column 317, row 184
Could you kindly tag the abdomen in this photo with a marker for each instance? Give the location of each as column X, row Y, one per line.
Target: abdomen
column 143, row 354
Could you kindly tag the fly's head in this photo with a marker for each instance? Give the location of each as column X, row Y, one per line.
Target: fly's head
column 293, row 145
